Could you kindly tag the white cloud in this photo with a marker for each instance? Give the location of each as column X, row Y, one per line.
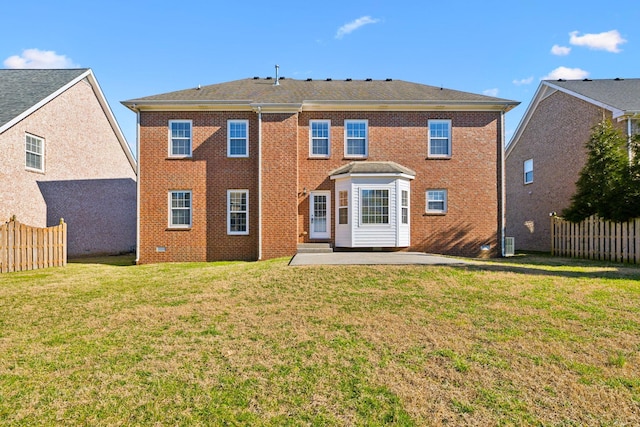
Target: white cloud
column 560, row 50
column 491, row 92
column 608, row 41
column 354, row 25
column 36, row 58
column 521, row 82
column 566, row 74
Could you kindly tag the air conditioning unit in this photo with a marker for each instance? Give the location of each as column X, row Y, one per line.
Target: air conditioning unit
column 509, row 246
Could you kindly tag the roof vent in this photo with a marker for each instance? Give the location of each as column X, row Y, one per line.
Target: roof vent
column 282, row 78
column 561, row 80
column 586, row 80
column 369, row 80
column 389, row 80
column 309, row 79
column 277, row 83
column 618, row 79
column 256, row 78
column 348, row 80
column 269, row 78
column 329, row 79
column 199, row 87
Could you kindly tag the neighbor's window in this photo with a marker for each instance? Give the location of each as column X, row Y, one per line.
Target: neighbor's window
column 343, row 207
column 34, row 147
column 180, row 209
column 238, row 138
column 319, row 138
column 375, row 206
column 528, row 171
column 439, row 138
column 405, row 206
column 437, row 201
column 180, row 138
column 355, row 138
column 238, row 211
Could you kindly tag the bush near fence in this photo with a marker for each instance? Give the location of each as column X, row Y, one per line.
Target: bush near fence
column 597, row 239
column 23, row 247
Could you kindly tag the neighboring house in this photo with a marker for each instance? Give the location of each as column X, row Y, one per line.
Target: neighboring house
column 62, row 155
column 547, row 151
column 249, row 169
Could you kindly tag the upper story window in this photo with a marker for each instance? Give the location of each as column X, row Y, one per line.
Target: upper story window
column 180, row 209
column 319, row 141
column 528, row 171
column 374, row 207
column 34, row 153
column 356, row 138
column 439, row 138
column 180, row 138
column 436, row 201
column 238, row 211
column 238, row 138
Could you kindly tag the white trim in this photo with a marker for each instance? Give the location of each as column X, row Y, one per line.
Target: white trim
column 41, row 154
column 138, row 187
column 446, row 201
column 246, row 144
column 311, row 153
column 170, row 223
column 374, row 187
column 449, row 142
column 170, row 133
column 366, row 139
column 246, row 212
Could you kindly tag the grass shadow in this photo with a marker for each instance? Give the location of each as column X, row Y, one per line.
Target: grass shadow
column 120, row 260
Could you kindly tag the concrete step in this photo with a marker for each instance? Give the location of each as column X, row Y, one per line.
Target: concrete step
column 314, row 248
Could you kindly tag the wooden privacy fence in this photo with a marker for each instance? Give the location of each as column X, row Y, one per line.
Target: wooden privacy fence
column 26, row 248
column 595, row 238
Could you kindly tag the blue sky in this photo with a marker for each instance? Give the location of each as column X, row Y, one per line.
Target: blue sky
column 143, row 47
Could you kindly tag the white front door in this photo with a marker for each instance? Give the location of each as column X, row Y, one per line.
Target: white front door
column 320, row 214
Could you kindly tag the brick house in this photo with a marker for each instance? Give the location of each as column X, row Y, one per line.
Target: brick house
column 250, row 169
column 547, row 152
column 62, row 155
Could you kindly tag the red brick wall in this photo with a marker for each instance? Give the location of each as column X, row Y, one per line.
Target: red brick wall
column 208, row 174
column 469, row 175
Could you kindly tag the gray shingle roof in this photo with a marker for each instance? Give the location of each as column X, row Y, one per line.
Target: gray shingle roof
column 22, row 89
column 291, row 91
column 622, row 94
column 372, row 167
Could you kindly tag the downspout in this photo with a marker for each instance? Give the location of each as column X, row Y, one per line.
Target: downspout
column 629, row 148
column 503, row 192
column 259, row 183
column 137, row 185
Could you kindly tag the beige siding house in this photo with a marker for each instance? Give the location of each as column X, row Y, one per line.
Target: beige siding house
column 547, row 152
column 62, row 155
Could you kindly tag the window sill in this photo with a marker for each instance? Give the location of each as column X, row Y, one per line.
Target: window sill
column 438, row 158
column 178, row 229
column 38, row 171
column 179, row 158
column 319, row 158
column 434, row 214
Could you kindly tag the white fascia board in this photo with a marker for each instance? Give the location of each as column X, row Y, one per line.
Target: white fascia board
column 373, row 175
column 43, row 102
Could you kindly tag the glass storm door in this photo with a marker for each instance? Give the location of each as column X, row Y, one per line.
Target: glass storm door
column 320, row 215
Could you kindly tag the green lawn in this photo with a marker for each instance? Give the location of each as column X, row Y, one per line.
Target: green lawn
column 528, row 340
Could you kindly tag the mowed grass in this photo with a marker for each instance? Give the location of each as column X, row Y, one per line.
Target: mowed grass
column 522, row 341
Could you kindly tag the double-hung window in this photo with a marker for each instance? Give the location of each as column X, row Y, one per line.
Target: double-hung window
column 238, row 211
column 404, row 203
column 439, row 138
column 528, row 171
column 319, row 141
column 180, row 209
column 238, row 138
column 374, row 207
column 436, row 201
column 343, row 207
column 34, row 152
column 180, row 138
column 356, row 138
